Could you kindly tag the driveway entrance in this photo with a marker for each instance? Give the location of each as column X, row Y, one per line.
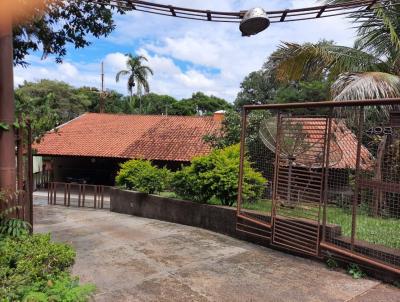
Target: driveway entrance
column 136, row 259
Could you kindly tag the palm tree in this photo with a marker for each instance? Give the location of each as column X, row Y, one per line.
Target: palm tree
column 370, row 69
column 138, row 74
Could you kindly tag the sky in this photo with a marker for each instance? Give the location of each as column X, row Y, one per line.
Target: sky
column 186, row 56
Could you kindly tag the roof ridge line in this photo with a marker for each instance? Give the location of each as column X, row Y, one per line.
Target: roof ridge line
column 66, row 123
column 150, row 115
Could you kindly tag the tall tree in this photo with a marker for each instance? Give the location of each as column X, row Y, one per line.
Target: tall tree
column 200, row 104
column 137, row 76
column 370, row 69
column 50, row 25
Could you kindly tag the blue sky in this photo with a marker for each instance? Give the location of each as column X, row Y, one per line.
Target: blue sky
column 186, row 56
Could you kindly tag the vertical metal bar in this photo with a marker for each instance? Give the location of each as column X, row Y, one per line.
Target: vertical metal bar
column 102, row 197
column 48, row 195
column 276, row 173
column 83, row 194
column 326, row 173
column 276, row 165
column 241, row 163
column 55, row 193
column 69, row 194
column 357, row 177
column 79, row 195
column 20, row 173
column 30, row 172
column 65, row 194
column 95, row 197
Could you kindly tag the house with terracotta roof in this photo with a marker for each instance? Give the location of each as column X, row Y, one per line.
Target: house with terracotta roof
column 302, row 154
column 91, row 147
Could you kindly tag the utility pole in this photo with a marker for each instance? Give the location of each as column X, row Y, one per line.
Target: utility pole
column 102, row 89
column 7, row 107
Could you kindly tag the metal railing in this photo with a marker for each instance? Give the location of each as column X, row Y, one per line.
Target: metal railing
column 78, row 195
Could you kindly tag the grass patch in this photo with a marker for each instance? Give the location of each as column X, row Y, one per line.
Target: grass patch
column 382, row 231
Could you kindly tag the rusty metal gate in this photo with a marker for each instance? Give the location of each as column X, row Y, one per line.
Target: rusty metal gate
column 330, row 179
column 298, row 184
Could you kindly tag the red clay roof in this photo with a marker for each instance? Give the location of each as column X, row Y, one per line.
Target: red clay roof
column 153, row 137
column 343, row 146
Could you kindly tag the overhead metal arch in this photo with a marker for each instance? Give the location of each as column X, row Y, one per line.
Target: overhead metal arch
column 275, row 16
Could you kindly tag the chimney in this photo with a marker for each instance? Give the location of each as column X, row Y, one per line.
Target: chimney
column 219, row 115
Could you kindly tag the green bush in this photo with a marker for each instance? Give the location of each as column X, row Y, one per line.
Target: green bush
column 11, row 226
column 142, row 176
column 217, row 175
column 32, row 268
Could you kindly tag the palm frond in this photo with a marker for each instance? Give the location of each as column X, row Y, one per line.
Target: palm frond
column 368, row 85
column 298, row 62
column 378, row 29
column 137, row 74
column 121, row 73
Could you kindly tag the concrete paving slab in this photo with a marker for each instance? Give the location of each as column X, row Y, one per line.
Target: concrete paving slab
column 137, row 259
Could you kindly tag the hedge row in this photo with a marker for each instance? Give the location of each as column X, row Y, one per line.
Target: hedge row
column 211, row 176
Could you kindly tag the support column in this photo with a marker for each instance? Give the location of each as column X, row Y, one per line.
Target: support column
column 7, row 107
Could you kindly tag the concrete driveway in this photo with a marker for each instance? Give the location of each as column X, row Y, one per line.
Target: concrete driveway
column 136, row 259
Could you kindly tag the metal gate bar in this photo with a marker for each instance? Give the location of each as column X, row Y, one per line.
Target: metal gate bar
column 342, row 188
column 82, row 192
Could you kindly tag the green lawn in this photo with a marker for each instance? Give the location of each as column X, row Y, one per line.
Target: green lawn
column 374, row 230
column 384, row 231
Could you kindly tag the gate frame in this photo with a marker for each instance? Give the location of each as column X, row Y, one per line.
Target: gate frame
column 277, row 170
column 323, row 245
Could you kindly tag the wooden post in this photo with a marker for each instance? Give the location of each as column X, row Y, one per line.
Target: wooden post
column 7, row 107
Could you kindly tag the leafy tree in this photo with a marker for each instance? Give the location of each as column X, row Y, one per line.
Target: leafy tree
column 137, row 76
column 256, row 88
column 114, row 102
column 262, row 86
column 50, row 103
column 183, row 107
column 207, row 105
column 200, row 104
column 230, row 131
column 157, row 104
column 216, row 175
column 57, row 23
column 313, row 91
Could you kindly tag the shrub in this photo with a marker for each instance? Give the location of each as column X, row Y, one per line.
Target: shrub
column 191, row 183
column 11, row 226
column 142, row 176
column 217, row 175
column 32, row 268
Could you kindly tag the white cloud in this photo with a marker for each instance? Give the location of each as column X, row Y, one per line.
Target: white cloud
column 167, row 42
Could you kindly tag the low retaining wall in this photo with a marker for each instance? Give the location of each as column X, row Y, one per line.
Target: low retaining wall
column 218, row 219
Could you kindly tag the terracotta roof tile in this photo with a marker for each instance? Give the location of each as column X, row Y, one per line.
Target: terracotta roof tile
column 153, row 137
column 343, row 149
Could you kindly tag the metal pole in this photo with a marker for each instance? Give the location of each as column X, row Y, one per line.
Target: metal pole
column 7, row 109
column 326, row 174
column 20, row 171
column 30, row 172
column 101, row 109
column 357, row 178
column 241, row 163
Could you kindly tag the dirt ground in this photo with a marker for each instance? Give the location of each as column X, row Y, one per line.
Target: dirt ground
column 136, row 259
